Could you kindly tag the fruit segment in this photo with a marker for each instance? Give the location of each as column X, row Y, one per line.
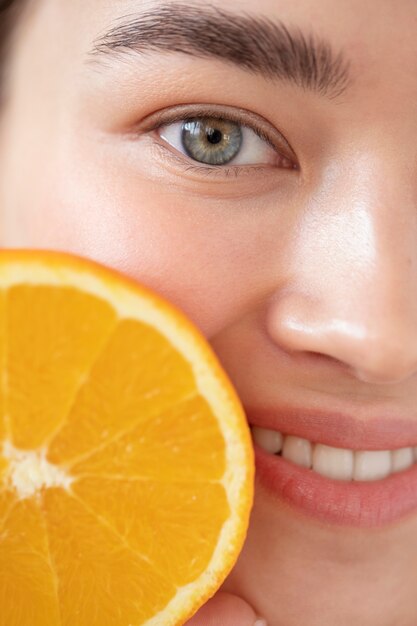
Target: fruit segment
column 7, row 500
column 187, row 516
column 137, row 375
column 183, row 443
column 2, row 367
column 50, row 331
column 28, row 584
column 102, row 579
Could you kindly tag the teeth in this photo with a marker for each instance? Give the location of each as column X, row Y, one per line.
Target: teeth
column 402, row 459
column 333, row 462
column 297, row 450
column 336, row 463
column 269, row 440
column 372, row 464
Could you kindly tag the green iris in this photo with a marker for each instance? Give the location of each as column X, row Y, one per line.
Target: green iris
column 210, row 140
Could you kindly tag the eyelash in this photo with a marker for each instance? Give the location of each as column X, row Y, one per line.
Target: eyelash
column 223, row 171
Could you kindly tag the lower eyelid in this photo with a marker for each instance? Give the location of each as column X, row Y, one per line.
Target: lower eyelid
column 187, row 165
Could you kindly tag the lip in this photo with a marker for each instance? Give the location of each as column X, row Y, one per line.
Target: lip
column 359, row 504
column 336, row 428
column 346, row 503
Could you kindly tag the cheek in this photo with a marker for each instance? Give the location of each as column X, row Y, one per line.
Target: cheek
column 174, row 245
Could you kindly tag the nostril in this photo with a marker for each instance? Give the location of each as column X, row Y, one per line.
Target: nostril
column 325, row 358
column 320, row 358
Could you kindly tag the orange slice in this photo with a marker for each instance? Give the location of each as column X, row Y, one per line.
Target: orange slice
column 126, row 464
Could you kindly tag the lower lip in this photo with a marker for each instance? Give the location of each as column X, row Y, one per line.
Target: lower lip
column 346, row 503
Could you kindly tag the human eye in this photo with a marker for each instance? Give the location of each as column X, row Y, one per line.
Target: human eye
column 216, row 139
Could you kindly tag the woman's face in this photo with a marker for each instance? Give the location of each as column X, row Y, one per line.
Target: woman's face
column 294, row 250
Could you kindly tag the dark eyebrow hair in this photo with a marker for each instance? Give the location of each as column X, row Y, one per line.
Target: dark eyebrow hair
column 252, row 42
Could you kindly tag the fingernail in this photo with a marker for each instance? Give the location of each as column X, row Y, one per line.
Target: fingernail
column 260, row 622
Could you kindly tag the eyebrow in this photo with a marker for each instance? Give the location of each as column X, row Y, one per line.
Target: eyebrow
column 254, row 43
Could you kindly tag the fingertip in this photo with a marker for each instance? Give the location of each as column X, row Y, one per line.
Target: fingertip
column 225, row 609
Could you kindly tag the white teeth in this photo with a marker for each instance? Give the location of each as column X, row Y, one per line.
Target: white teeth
column 402, row 459
column 372, row 464
column 333, row 462
column 297, row 450
column 336, row 463
column 269, row 440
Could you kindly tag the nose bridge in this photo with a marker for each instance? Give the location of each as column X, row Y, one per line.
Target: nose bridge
column 377, row 229
column 384, row 298
column 354, row 295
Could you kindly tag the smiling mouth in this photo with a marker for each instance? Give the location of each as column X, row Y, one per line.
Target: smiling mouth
column 333, row 462
column 334, row 467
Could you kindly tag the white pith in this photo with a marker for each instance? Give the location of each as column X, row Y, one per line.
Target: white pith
column 337, row 463
column 28, row 472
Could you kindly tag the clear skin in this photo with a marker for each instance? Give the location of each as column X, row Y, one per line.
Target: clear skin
column 263, row 263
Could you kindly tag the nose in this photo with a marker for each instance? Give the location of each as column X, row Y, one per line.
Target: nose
column 351, row 293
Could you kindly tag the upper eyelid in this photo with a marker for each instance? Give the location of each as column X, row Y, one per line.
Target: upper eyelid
column 255, row 130
column 255, row 122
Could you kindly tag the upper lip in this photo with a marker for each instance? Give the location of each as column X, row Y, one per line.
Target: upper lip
column 337, row 428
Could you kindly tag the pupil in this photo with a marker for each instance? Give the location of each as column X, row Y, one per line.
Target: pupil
column 214, row 135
